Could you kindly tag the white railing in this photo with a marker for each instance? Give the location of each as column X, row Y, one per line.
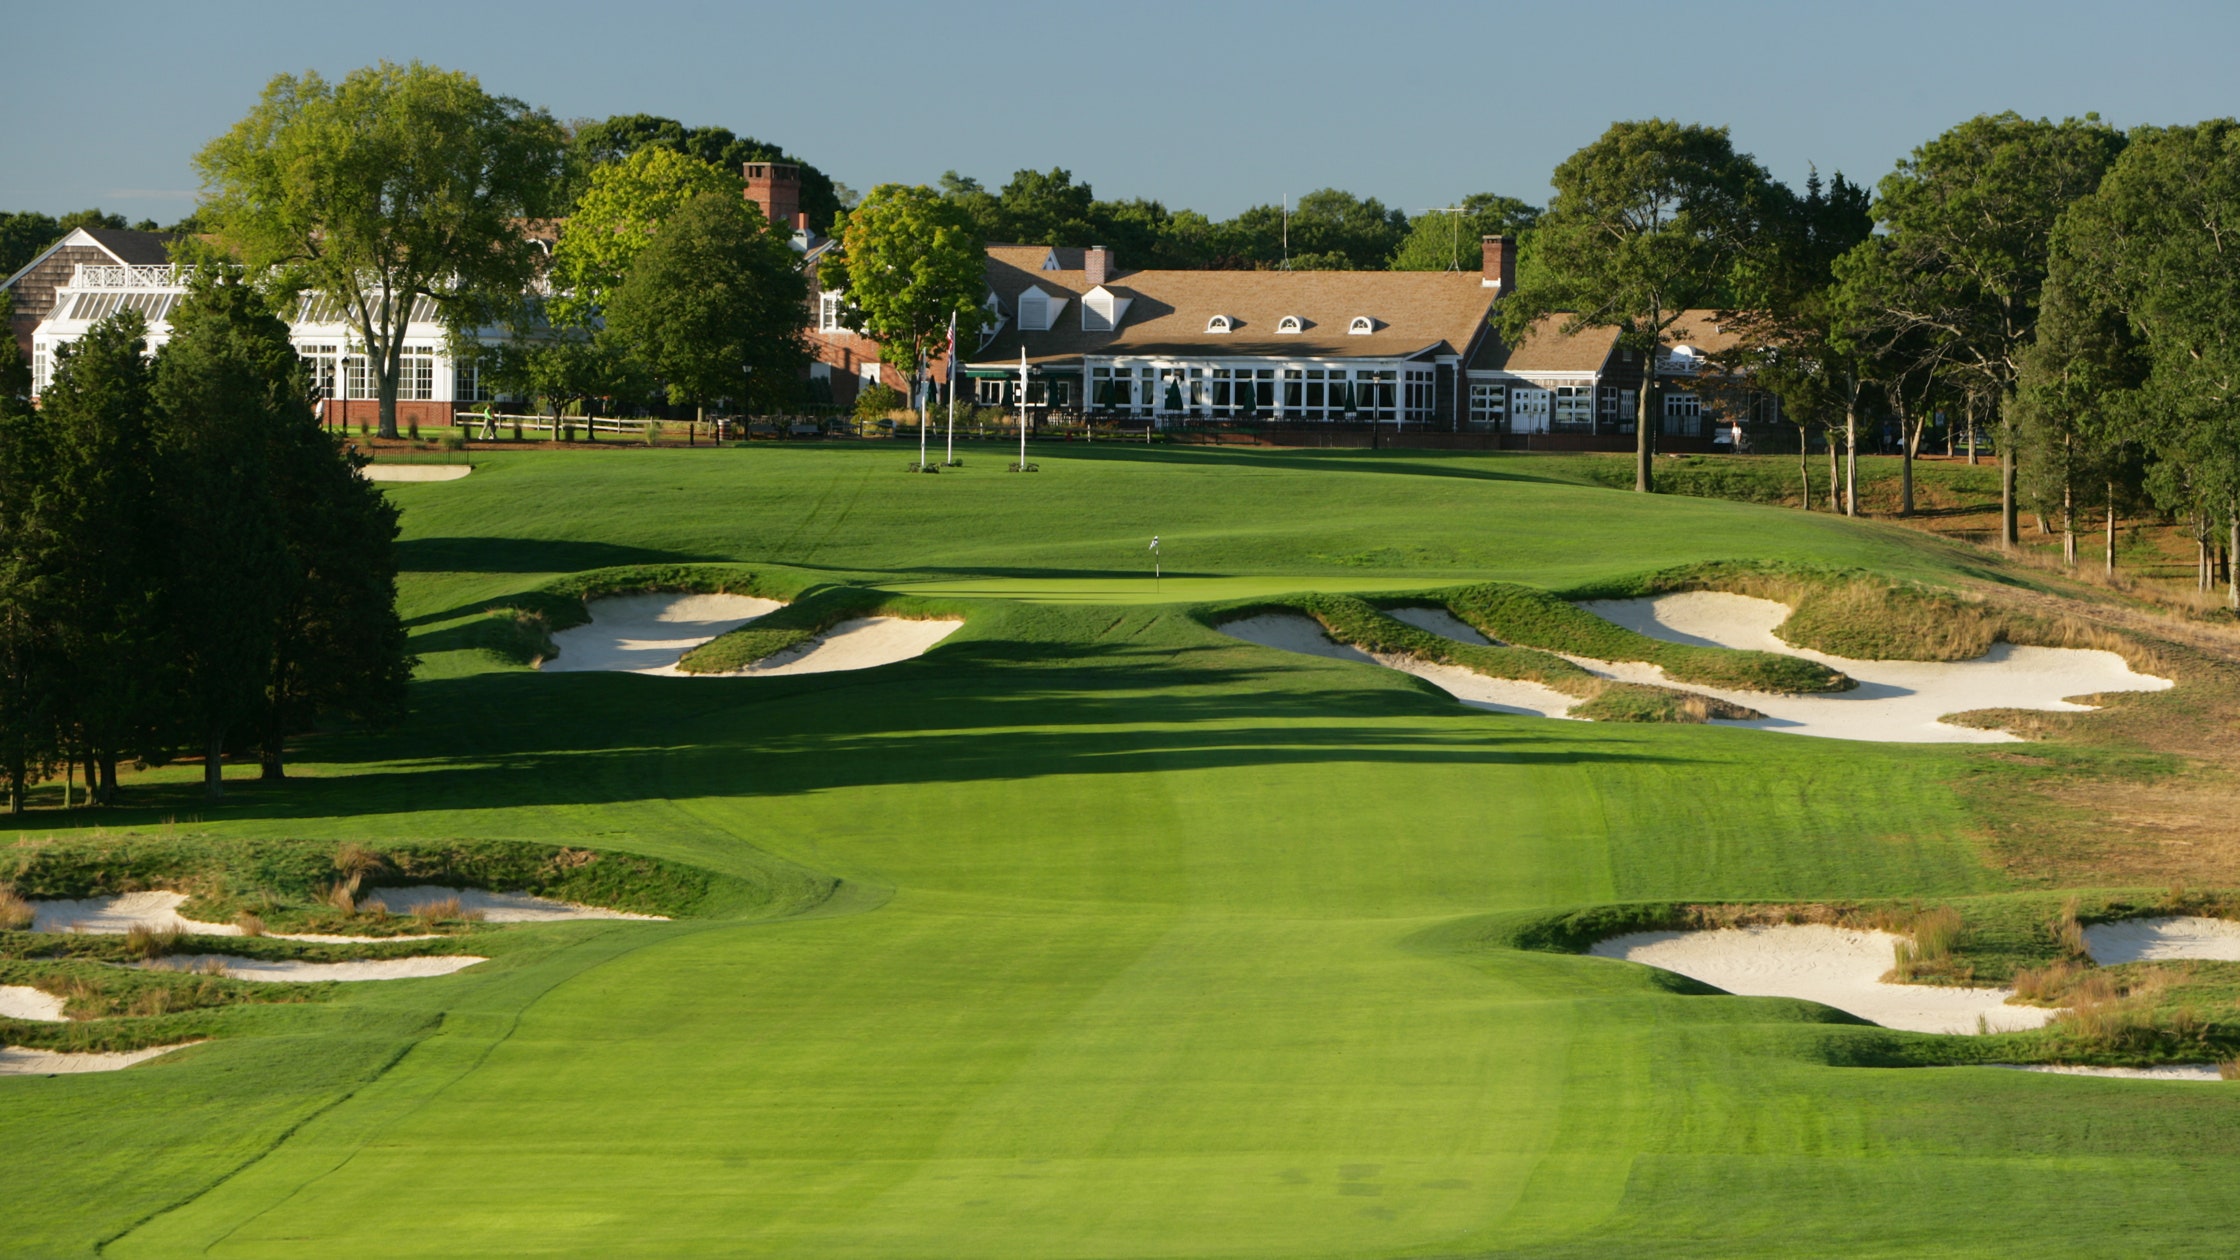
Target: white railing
column 110, row 276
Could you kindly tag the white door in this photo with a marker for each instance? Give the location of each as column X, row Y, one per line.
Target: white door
column 1530, row 409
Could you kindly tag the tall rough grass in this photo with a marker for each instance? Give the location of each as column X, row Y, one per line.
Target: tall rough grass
column 1935, row 933
column 16, row 914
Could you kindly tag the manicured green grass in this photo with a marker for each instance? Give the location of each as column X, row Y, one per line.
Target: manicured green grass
column 1146, row 942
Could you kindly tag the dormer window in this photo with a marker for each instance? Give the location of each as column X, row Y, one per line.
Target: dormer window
column 1038, row 311
column 1361, row 326
column 1102, row 310
column 1221, row 324
column 1291, row 324
column 1050, row 261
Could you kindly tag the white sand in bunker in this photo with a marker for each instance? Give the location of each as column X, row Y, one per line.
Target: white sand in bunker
column 492, row 907
column 158, row 911
column 1838, row 967
column 21, row 1001
column 2154, row 940
column 1896, row 701
column 646, row 634
column 2164, row 1072
column 415, row 472
column 862, row 643
column 1291, row 632
column 289, row 971
column 25, row 1061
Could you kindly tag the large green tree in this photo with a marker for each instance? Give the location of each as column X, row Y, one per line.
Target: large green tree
column 713, row 307
column 596, row 144
column 103, row 559
column 617, row 218
column 396, row 184
column 1452, row 238
column 29, row 683
column 2075, row 394
column 1969, row 218
column 1328, row 229
column 224, row 385
column 1652, row 219
column 2157, row 243
column 911, row 261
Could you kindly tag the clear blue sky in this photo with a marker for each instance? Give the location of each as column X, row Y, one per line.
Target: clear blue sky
column 1207, row 105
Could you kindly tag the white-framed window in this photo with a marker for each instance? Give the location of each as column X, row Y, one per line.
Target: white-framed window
column 867, row 375
column 1290, row 324
column 321, row 362
column 1418, row 393
column 39, row 370
column 416, row 374
column 1683, row 415
column 1489, row 404
column 1574, row 411
column 989, row 391
column 357, row 374
column 466, row 382
column 831, row 304
column 1102, row 310
column 1112, row 389
column 1361, row 326
column 1220, row 324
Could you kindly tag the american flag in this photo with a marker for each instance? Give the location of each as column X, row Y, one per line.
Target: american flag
column 952, row 349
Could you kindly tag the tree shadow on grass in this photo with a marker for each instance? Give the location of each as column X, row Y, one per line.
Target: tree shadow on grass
column 989, row 710
column 529, row 555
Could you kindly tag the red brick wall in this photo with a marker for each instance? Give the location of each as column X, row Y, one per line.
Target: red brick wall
column 346, row 413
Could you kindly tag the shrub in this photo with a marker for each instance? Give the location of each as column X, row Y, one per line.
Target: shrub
column 453, row 441
column 873, row 402
column 249, row 923
column 16, row 914
column 517, row 428
column 412, row 429
column 1935, row 933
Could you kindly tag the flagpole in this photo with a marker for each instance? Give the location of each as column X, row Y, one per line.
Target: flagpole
column 1022, row 408
column 951, row 459
column 923, row 419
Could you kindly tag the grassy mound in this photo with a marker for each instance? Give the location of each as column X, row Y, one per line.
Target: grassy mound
column 2128, row 1015
column 801, row 621
column 1352, row 620
column 1535, row 618
column 519, row 628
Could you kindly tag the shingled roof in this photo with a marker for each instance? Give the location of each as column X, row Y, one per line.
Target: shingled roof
column 1413, row 312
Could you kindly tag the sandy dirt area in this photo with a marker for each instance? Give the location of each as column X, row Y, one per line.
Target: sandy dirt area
column 1838, row 967
column 862, row 643
column 1896, row 701
column 158, row 911
column 646, row 634
column 24, row 1061
column 21, row 1001
column 2153, row 940
column 415, row 472
column 1291, row 632
column 494, row 907
column 2165, row 1072
column 289, row 971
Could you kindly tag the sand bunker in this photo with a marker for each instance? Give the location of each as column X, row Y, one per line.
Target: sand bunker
column 493, row 907
column 1896, row 701
column 2154, row 940
column 21, row 1001
column 646, row 634
column 2166, row 1072
column 1838, row 967
column 24, row 1061
column 158, row 911
column 288, row 971
column 1291, row 632
column 862, row 643
column 415, row 472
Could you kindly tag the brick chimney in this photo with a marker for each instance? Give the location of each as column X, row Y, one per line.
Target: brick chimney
column 1097, row 261
column 1500, row 265
column 776, row 187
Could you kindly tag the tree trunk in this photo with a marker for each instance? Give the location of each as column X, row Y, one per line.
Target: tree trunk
column 1971, row 408
column 1835, row 480
column 2111, row 528
column 386, row 392
column 2068, row 528
column 2010, row 534
column 1851, row 459
column 692, row 431
column 2232, row 563
column 1644, row 471
column 270, row 763
column 17, row 773
column 108, row 764
column 214, row 765
column 1804, row 463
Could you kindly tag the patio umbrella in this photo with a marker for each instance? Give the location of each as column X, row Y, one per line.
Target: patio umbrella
column 1341, row 398
column 1173, row 401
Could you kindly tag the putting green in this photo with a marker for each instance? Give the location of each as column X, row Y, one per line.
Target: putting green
column 1151, row 943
